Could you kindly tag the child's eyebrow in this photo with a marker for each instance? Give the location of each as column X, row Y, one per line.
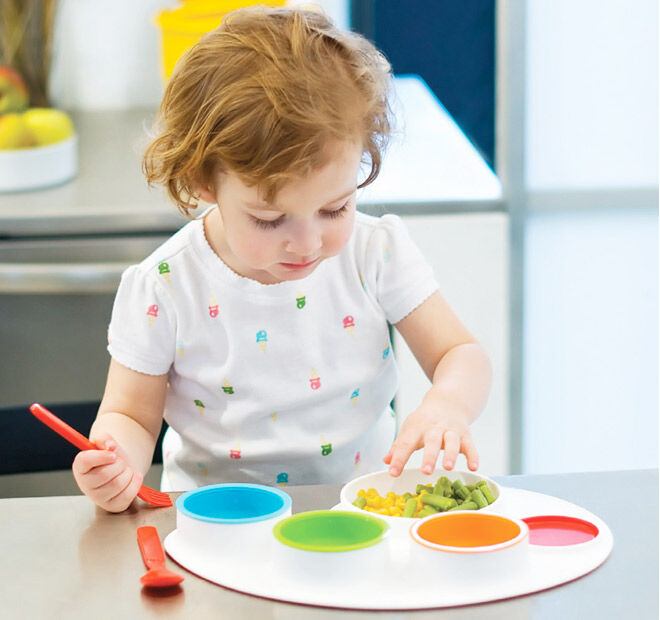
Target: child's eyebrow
column 269, row 207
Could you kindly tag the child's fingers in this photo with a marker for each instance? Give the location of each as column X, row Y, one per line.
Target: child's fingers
column 452, row 446
column 101, row 476
column 403, row 447
column 470, row 450
column 87, row 460
column 115, row 486
column 126, row 495
column 432, row 446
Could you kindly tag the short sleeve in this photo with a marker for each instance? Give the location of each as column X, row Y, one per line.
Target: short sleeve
column 398, row 274
column 142, row 331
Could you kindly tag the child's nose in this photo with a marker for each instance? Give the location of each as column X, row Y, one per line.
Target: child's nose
column 304, row 239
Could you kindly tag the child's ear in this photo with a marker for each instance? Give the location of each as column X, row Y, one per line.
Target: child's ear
column 204, row 192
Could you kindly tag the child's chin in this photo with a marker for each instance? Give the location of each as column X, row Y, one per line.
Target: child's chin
column 297, row 275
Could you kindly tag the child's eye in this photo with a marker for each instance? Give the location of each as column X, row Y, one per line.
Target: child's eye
column 336, row 213
column 266, row 224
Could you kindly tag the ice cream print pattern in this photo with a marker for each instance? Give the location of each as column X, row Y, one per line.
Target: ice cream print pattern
column 314, row 380
column 262, row 339
column 349, row 325
column 300, row 301
column 227, row 387
column 200, row 406
column 164, row 271
column 355, row 395
column 282, row 478
column 326, row 446
column 386, row 351
column 235, row 452
column 213, row 307
column 152, row 313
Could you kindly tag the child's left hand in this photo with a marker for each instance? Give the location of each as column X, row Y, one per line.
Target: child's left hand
column 435, row 425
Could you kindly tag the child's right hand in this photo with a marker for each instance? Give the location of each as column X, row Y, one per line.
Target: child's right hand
column 105, row 476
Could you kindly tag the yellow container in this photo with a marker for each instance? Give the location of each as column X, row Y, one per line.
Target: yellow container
column 182, row 27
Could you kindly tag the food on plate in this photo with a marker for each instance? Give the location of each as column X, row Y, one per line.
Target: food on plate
column 427, row 499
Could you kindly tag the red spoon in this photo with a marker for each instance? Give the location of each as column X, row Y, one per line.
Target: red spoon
column 158, row 576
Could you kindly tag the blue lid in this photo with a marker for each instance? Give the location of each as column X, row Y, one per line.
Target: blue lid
column 234, row 503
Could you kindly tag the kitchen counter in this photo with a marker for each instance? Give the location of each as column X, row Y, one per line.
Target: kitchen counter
column 64, row 558
column 430, row 167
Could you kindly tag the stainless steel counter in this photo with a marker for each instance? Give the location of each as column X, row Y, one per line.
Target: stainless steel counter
column 63, row 558
column 108, row 195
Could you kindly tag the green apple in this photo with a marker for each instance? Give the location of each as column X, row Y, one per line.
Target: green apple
column 48, row 125
column 14, row 96
column 14, row 133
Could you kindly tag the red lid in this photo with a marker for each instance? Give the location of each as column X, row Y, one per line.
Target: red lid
column 559, row 531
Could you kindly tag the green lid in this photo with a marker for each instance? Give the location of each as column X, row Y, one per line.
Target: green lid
column 330, row 530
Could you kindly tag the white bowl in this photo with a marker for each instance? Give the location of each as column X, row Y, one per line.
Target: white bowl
column 407, row 482
column 331, row 546
column 468, row 547
column 230, row 519
column 38, row 167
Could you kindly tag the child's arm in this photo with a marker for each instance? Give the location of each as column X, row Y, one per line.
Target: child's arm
column 460, row 372
column 126, row 427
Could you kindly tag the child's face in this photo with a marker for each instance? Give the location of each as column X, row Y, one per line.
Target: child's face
column 310, row 219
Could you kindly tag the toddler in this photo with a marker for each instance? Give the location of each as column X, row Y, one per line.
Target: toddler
column 259, row 331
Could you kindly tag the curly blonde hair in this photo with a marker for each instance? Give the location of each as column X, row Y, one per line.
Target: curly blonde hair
column 260, row 96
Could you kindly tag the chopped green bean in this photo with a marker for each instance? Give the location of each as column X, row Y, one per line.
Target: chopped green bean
column 438, row 501
column 360, row 502
column 462, row 492
column 478, row 498
column 410, row 508
column 488, row 494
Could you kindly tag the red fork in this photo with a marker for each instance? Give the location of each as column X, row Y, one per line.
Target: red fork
column 149, row 495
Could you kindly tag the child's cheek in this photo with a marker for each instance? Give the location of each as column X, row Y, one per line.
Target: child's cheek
column 336, row 240
column 256, row 250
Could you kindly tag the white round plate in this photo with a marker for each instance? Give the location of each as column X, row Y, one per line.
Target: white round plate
column 257, row 573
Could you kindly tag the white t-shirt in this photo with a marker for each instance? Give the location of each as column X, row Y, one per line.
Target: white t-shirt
column 271, row 383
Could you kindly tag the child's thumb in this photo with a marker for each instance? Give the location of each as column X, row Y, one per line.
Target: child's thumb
column 105, row 441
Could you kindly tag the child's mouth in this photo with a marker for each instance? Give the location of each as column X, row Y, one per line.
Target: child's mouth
column 297, row 266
